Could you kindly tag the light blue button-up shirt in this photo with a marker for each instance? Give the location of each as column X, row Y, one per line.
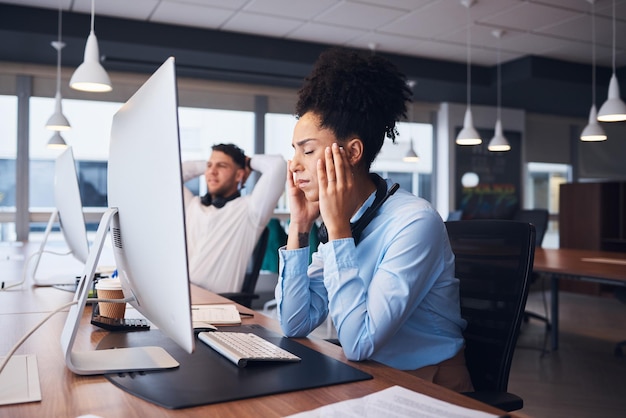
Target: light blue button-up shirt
column 393, row 298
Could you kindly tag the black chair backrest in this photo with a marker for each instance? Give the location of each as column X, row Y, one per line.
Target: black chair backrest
column 494, row 259
column 247, row 295
column 537, row 217
column 256, row 261
column 455, row 215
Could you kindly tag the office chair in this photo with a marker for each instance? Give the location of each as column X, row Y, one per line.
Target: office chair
column 277, row 238
column 620, row 294
column 493, row 262
column 539, row 218
column 247, row 295
column 455, row 215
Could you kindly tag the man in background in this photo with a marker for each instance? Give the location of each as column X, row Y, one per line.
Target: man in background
column 223, row 226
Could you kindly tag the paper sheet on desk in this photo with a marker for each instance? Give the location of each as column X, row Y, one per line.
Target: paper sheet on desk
column 216, row 314
column 394, row 402
column 19, row 381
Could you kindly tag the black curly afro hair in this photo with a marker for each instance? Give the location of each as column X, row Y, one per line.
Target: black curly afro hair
column 356, row 96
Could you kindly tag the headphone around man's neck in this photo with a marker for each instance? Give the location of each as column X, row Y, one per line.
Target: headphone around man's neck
column 218, row 201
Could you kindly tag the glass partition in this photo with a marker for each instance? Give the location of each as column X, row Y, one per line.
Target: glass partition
column 542, row 192
column 8, row 153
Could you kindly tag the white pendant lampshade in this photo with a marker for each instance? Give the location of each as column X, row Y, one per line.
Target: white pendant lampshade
column 614, row 109
column 57, row 141
column 411, row 156
column 468, row 135
column 499, row 141
column 593, row 131
column 58, row 121
column 91, row 75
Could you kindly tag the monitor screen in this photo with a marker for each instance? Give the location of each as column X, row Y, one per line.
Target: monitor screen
column 69, row 204
column 69, row 211
column 147, row 225
column 145, row 186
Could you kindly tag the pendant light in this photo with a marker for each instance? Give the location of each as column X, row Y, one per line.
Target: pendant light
column 57, row 141
column 499, row 141
column 614, row 109
column 90, row 75
column 468, row 135
column 58, row 121
column 593, row 131
column 411, row 156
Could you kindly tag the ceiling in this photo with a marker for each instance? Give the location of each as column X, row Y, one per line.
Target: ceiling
column 546, row 50
column 434, row 29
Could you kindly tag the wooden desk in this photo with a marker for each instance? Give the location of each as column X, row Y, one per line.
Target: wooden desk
column 65, row 394
column 565, row 263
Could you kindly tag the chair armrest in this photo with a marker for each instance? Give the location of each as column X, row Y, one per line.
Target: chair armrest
column 241, row 298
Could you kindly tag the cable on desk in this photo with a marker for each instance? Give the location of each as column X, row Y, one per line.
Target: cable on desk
column 29, row 333
column 24, row 270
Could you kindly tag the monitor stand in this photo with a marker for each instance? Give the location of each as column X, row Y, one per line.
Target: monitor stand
column 115, row 360
column 62, row 280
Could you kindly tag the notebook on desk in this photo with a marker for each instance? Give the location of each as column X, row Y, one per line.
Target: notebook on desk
column 215, row 314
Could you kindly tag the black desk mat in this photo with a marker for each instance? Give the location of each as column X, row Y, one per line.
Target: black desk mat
column 205, row 377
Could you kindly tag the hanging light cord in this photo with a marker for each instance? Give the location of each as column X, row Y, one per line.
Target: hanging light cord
column 58, row 48
column 613, row 36
column 469, row 59
column 593, row 54
column 411, row 125
column 499, row 76
column 93, row 8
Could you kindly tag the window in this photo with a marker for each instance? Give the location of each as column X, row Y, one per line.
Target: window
column 89, row 138
column 200, row 129
column 278, row 136
column 412, row 176
column 8, row 153
column 542, row 192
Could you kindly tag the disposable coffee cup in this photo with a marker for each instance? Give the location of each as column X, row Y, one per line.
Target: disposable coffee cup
column 110, row 289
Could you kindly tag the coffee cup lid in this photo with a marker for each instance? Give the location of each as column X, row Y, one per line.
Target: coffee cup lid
column 109, row 284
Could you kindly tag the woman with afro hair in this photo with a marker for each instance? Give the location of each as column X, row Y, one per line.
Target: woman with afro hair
column 386, row 275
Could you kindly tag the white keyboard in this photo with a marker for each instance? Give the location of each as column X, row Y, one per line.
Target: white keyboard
column 242, row 347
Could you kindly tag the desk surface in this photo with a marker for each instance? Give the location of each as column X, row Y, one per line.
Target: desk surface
column 65, row 394
column 582, row 264
column 586, row 265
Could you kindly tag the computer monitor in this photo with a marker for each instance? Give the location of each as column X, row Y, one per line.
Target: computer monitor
column 147, row 224
column 69, row 211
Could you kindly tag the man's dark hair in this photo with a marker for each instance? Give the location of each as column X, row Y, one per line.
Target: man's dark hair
column 232, row 150
column 356, row 95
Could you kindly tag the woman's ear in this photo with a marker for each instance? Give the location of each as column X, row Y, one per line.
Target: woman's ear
column 354, row 151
